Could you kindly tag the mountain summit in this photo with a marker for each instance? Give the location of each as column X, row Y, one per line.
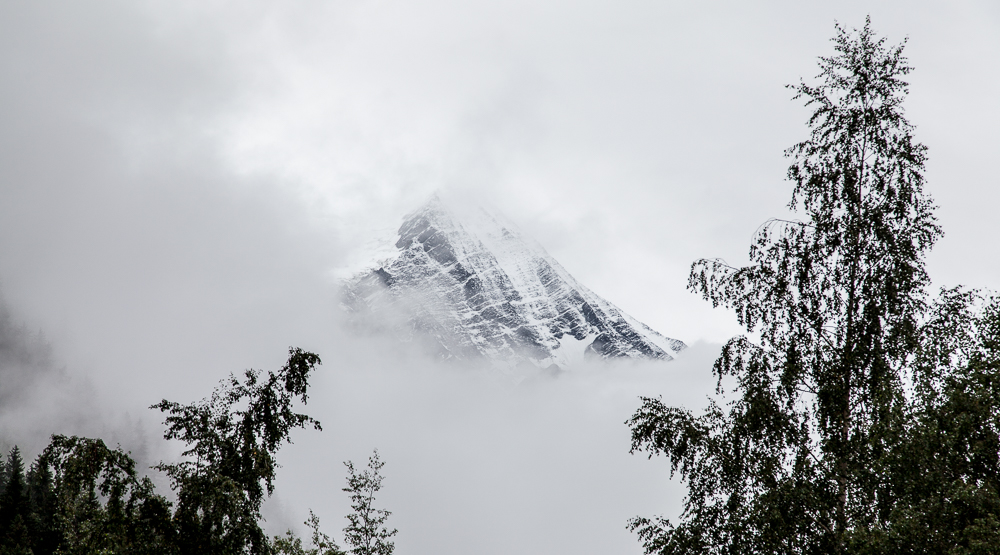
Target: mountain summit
column 475, row 287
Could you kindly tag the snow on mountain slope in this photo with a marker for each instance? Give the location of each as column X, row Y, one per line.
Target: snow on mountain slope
column 468, row 281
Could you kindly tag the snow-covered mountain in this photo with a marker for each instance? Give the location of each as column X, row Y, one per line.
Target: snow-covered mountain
column 471, row 284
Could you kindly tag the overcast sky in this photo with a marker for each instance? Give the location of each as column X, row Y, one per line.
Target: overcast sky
column 180, row 182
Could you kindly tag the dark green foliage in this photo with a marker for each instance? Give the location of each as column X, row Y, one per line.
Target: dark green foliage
column 101, row 503
column 799, row 459
column 944, row 477
column 14, row 509
column 3, row 475
column 232, row 437
column 81, row 497
column 44, row 509
column 366, row 533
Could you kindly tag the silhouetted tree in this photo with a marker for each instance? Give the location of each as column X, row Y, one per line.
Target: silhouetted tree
column 42, row 499
column 81, row 497
column 943, row 478
column 797, row 461
column 14, row 509
column 232, row 439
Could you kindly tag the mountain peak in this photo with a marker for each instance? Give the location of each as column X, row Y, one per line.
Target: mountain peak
column 467, row 280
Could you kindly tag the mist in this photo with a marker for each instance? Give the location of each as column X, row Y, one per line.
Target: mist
column 182, row 184
column 477, row 459
column 478, row 463
column 36, row 397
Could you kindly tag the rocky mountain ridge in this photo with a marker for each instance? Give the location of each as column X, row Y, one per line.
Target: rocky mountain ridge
column 474, row 287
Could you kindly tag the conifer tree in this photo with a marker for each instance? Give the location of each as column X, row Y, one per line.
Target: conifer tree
column 14, row 509
column 795, row 462
column 42, row 499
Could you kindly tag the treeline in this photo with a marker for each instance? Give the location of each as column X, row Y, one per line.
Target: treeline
column 82, row 497
column 863, row 415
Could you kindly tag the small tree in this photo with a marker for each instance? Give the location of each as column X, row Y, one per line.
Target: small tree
column 290, row 544
column 366, row 533
column 796, row 464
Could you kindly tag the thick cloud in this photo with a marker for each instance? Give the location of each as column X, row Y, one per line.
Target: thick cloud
column 181, row 181
column 38, row 398
column 475, row 464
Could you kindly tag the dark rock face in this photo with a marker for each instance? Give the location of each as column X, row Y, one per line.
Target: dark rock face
column 473, row 286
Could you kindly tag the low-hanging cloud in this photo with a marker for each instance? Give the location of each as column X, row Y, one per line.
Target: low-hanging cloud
column 478, row 462
column 38, row 398
column 179, row 180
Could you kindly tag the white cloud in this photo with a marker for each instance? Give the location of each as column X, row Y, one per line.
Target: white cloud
column 178, row 180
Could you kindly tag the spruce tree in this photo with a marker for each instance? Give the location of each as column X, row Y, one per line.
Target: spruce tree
column 795, row 462
column 42, row 499
column 14, row 509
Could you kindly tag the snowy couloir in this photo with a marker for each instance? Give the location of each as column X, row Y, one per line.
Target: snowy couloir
column 468, row 282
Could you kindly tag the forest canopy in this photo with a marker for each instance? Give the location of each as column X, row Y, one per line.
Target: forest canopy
column 81, row 497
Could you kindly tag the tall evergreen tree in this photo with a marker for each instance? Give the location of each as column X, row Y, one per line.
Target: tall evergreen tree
column 794, row 463
column 14, row 509
column 42, row 499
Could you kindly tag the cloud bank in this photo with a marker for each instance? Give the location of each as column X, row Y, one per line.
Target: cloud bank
column 180, row 181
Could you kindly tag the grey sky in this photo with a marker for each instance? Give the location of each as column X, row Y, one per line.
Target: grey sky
column 180, row 181
column 628, row 138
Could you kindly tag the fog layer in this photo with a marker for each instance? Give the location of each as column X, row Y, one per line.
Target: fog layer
column 180, row 182
column 477, row 464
